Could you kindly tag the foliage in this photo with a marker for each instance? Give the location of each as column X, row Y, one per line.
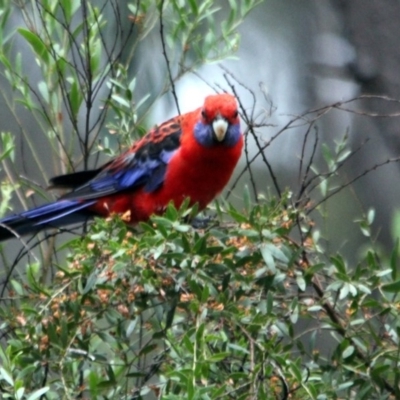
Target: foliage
column 212, row 314
column 249, row 306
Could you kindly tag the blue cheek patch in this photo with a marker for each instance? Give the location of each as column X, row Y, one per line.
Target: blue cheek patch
column 204, row 135
column 232, row 135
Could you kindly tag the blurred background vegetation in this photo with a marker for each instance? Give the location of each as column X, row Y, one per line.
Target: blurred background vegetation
column 291, row 289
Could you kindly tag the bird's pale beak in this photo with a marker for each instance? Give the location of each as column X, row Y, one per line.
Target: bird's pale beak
column 220, row 126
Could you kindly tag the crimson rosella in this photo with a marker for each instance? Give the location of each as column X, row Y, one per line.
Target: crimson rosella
column 191, row 155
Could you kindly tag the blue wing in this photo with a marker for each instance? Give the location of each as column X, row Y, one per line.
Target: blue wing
column 143, row 165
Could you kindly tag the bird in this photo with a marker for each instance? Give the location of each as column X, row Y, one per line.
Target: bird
column 192, row 155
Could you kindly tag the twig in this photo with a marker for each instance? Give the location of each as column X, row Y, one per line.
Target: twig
column 167, row 62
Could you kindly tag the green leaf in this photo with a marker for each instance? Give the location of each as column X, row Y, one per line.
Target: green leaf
column 267, row 256
column 311, row 271
column 344, row 291
column 384, row 272
column 75, row 98
column 7, row 142
column 237, row 216
column 296, row 372
column 205, row 294
column 148, row 349
column 261, row 271
column 301, row 283
column 323, row 186
column 19, row 393
column 394, row 259
column 69, row 8
column 345, row 154
column 181, row 227
column 95, row 52
column 131, row 327
column 218, row 357
column 294, row 315
column 33, row 274
column 110, row 374
column 188, row 344
column 270, row 302
column 121, row 101
column 91, row 281
column 6, row 376
column 339, row 263
column 17, row 287
column 392, row 287
column 200, row 246
column 93, row 383
column 396, row 224
column 370, row 216
column 348, row 351
column 327, row 154
column 37, row 44
column 247, row 199
column 200, row 334
column 38, row 393
column 345, row 385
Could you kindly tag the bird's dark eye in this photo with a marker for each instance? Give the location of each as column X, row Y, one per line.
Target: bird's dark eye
column 203, row 114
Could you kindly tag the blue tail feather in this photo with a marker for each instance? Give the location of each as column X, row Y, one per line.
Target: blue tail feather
column 53, row 215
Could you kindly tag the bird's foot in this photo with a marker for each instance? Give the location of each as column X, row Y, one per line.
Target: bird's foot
column 201, row 222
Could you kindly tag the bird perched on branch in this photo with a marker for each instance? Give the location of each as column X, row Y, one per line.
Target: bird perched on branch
column 191, row 155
